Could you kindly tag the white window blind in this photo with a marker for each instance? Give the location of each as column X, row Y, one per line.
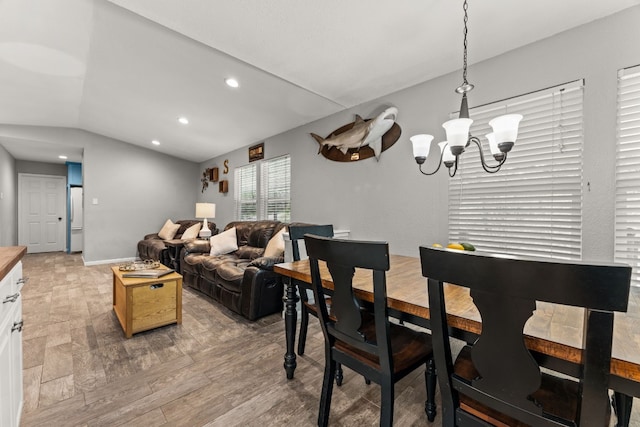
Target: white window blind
column 627, row 216
column 275, row 189
column 533, row 205
column 246, row 193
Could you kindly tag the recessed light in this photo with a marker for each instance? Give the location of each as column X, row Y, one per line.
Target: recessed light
column 155, row 142
column 62, row 157
column 232, row 82
column 183, row 120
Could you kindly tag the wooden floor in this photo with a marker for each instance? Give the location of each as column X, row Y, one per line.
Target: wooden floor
column 215, row 369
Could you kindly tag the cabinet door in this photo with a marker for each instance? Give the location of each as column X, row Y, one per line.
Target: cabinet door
column 16, row 277
column 15, row 345
column 6, row 412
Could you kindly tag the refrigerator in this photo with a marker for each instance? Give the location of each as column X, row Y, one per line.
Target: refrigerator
column 75, row 244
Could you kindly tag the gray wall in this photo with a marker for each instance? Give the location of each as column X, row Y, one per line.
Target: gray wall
column 41, row 168
column 391, row 200
column 136, row 189
column 8, row 204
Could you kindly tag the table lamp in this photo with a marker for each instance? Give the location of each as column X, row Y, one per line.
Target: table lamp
column 205, row 210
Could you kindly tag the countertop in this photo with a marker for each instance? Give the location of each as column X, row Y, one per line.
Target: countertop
column 9, row 257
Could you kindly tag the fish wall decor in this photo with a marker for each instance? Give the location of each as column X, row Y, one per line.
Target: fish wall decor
column 361, row 139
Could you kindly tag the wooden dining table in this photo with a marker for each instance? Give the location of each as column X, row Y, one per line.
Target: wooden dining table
column 553, row 334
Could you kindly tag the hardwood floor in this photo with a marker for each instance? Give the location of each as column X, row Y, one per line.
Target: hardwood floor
column 215, row 369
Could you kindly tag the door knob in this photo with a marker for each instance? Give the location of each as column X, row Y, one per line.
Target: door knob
column 59, row 218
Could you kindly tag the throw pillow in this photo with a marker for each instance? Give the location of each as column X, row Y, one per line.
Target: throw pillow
column 275, row 247
column 168, row 230
column 224, row 243
column 191, row 232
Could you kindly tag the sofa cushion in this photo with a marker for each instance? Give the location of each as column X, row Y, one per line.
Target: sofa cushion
column 192, row 263
column 191, row 232
column 230, row 274
column 224, row 242
column 168, row 230
column 210, row 264
column 275, row 247
column 249, row 252
column 260, row 233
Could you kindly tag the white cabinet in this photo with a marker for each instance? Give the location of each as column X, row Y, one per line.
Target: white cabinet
column 11, row 398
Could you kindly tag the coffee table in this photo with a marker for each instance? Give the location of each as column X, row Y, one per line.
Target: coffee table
column 141, row 304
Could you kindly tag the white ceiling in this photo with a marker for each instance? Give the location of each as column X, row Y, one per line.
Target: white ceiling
column 127, row 69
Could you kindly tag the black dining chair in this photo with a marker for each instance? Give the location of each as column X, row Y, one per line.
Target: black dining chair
column 497, row 379
column 296, row 234
column 368, row 343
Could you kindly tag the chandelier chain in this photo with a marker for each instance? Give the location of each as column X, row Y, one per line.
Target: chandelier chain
column 465, row 6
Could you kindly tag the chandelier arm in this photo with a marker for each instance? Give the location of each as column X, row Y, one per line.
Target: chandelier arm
column 485, row 166
column 437, row 169
column 455, row 168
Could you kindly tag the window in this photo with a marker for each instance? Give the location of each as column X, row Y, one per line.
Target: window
column 273, row 201
column 627, row 216
column 275, row 191
column 246, row 193
column 533, row 206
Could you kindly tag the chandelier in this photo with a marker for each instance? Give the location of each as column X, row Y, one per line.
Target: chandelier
column 501, row 140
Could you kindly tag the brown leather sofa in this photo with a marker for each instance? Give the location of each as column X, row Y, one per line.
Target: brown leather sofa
column 242, row 281
column 152, row 247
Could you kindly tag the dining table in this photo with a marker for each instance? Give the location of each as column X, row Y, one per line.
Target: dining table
column 554, row 333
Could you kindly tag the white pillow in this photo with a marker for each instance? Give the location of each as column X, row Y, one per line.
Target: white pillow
column 275, row 247
column 224, row 243
column 168, row 230
column 191, row 232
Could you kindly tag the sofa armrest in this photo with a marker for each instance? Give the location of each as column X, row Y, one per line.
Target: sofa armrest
column 197, row 246
column 151, row 236
column 261, row 293
column 266, row 263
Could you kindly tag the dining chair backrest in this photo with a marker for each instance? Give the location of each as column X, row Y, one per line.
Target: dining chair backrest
column 505, row 290
column 342, row 257
column 297, row 232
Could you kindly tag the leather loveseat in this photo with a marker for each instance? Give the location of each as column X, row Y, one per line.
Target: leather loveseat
column 243, row 280
column 152, row 247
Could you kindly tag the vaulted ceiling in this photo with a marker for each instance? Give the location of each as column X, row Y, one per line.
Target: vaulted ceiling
column 128, row 69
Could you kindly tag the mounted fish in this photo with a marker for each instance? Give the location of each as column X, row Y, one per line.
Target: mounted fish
column 362, row 138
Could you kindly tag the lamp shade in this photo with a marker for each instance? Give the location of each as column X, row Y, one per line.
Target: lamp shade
column 421, row 144
column 447, row 155
column 493, row 144
column 505, row 127
column 205, row 210
column 457, row 131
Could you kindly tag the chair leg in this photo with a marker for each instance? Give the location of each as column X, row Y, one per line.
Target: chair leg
column 386, row 402
column 339, row 375
column 430, row 379
column 304, row 324
column 327, row 390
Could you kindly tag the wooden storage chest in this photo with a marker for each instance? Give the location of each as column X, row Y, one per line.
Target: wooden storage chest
column 141, row 304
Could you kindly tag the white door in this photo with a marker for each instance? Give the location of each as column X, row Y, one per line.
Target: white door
column 41, row 212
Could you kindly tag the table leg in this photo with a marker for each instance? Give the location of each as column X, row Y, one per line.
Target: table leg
column 622, row 406
column 290, row 318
